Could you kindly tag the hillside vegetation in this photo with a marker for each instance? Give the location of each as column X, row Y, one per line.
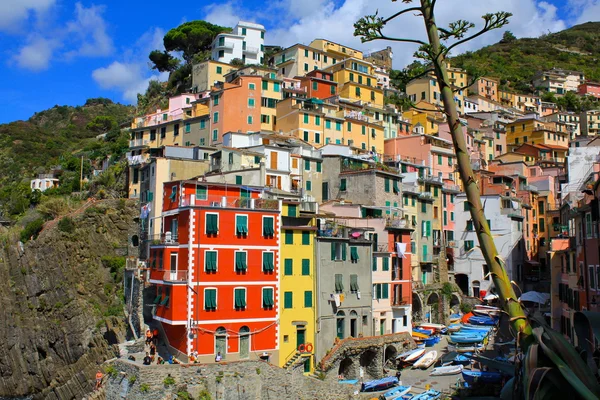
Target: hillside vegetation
column 515, row 61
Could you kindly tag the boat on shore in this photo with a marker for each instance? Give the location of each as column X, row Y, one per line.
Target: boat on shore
column 490, row 311
column 448, row 358
column 481, row 377
column 379, row 384
column 464, row 349
column 447, row 370
column 395, row 393
column 431, row 394
column 427, row 360
column 403, row 356
column 454, row 328
column 414, row 356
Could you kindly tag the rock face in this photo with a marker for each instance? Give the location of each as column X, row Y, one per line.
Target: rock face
column 59, row 303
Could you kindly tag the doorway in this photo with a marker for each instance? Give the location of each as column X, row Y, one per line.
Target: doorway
column 339, row 322
column 300, row 336
column 221, row 342
column 353, row 324
column 244, row 342
column 382, row 326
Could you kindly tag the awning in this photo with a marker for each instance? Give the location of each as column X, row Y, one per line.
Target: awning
column 316, row 101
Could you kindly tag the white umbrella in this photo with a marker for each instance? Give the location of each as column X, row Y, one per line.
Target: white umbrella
column 535, row 297
column 491, row 297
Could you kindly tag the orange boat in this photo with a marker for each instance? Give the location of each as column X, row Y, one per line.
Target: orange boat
column 465, row 318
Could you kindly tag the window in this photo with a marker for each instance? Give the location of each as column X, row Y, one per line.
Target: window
column 210, row 261
column 176, row 130
column 387, row 184
column 339, row 283
column 276, row 86
column 469, row 244
column 343, row 184
column 268, row 228
column 386, row 264
column 215, row 117
column 262, row 35
column 219, row 69
column 240, row 261
column 440, row 159
column 292, row 210
column 305, row 66
column 317, row 137
column 308, row 301
column 267, row 298
column 338, row 251
column 354, row 283
column 315, row 85
column 268, row 263
column 423, row 207
column 332, row 89
column 249, row 119
column 305, row 266
column 357, row 92
column 338, row 126
column 210, row 299
column 239, row 298
column 380, row 291
column 251, row 103
column 212, row 224
column 221, row 53
column 354, row 254
column 288, row 266
column 317, row 120
column 265, row 85
column 319, row 166
column 305, row 238
column 306, row 138
column 327, row 124
column 289, row 237
column 470, row 225
column 201, row 192
column 307, row 165
column 241, row 225
column 349, row 126
column 287, row 299
column 305, row 118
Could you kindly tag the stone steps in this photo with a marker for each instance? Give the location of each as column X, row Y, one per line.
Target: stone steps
column 292, row 361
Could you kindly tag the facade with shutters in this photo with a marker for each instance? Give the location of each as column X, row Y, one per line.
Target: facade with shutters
column 215, row 270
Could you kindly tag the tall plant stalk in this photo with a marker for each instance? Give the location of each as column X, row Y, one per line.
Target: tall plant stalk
column 435, row 51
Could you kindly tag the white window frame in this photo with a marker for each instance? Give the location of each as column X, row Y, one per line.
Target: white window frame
column 262, row 232
column 234, row 258
column 262, row 296
column 217, row 261
column 216, row 298
column 205, row 224
column 245, row 296
column 206, row 186
column 263, row 259
column 251, row 86
column 247, row 223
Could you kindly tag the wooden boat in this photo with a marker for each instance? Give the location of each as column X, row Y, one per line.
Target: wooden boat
column 427, row 360
column 462, row 359
column 435, row 327
column 406, row 354
column 465, row 318
column 396, row 393
column 469, row 327
column 454, row 328
column 448, row 370
column 431, row 341
column 415, row 356
column 428, row 395
column 486, row 311
column 427, row 332
column 481, row 377
column 420, row 335
column 379, row 384
column 477, row 320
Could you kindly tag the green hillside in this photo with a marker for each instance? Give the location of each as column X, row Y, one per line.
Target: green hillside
column 516, row 61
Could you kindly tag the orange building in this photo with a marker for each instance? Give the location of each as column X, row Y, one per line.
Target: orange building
column 215, row 268
column 318, row 84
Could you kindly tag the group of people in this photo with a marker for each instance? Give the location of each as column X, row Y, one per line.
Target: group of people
column 151, row 342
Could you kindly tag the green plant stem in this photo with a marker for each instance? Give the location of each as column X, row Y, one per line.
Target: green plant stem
column 519, row 321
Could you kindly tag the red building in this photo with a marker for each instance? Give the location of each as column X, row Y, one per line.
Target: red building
column 589, row 88
column 215, row 268
column 318, row 84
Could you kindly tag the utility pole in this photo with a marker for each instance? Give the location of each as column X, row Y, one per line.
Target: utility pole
column 81, row 176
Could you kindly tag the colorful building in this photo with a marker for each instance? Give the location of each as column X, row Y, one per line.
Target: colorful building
column 215, row 270
column 486, row 87
column 245, row 43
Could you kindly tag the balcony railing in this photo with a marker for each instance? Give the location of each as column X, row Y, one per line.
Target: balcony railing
column 451, row 187
column 230, row 202
column 166, row 238
column 404, row 301
column 396, row 223
column 224, row 45
column 285, row 61
column 431, row 178
column 251, row 50
column 175, row 276
column 138, row 143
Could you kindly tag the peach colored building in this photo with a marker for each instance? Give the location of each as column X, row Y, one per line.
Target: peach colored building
column 486, row 87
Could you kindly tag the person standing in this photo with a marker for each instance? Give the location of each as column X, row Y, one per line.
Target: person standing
column 148, row 337
column 99, row 376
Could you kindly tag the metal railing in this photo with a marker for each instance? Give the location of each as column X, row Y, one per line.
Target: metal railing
column 175, row 276
column 251, row 50
column 401, row 302
column 229, row 202
column 396, row 223
column 163, row 238
column 431, row 178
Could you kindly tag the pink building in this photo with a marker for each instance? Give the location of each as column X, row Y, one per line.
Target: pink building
column 590, row 89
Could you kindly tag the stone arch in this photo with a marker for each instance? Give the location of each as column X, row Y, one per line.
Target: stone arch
column 346, row 368
column 417, row 303
column 369, row 361
column 454, row 300
column 135, row 241
column 462, row 281
column 390, row 353
column 433, row 298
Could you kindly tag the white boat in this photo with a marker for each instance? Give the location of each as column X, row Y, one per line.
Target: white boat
column 486, row 311
column 415, row 356
column 427, row 360
column 436, row 327
column 448, row 370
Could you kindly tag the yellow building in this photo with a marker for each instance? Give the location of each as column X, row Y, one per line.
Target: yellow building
column 298, row 60
column 535, row 132
column 357, row 81
column 427, row 88
column 506, row 98
column 272, row 92
column 205, row 74
column 297, row 288
column 336, row 50
column 422, row 122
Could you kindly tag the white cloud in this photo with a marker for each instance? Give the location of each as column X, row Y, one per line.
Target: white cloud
column 327, row 19
column 583, row 11
column 14, row 12
column 36, row 55
column 132, row 73
column 89, row 30
column 227, row 14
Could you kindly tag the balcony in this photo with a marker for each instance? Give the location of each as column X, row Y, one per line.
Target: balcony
column 451, row 187
column 426, row 195
column 137, row 159
column 402, row 302
column 230, row 202
column 396, row 223
column 138, row 143
column 431, row 179
column 251, row 50
column 175, row 276
column 309, row 207
column 285, row 61
column 224, row 45
column 167, row 239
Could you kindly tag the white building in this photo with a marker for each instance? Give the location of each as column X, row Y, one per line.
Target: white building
column 245, row 42
column 43, row 183
column 506, row 222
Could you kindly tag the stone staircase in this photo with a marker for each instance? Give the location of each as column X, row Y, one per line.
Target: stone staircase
column 292, row 361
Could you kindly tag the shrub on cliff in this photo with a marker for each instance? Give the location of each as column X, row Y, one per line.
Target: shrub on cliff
column 66, row 225
column 32, row 229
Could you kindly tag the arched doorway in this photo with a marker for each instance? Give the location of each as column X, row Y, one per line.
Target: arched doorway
column 340, row 320
column 417, row 307
column 244, row 342
column 433, row 299
column 221, row 342
column 369, row 364
column 353, row 324
column 390, row 354
column 346, row 368
column 462, row 281
column 454, row 300
column 475, row 285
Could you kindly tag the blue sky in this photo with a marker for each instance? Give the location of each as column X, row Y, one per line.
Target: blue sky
column 63, row 52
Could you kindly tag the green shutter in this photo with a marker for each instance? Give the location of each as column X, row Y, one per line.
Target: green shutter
column 374, row 264
column 305, row 238
column 288, row 266
column 423, row 207
column 238, row 180
column 319, row 166
column 307, row 165
column 241, row 224
column 240, row 298
column 445, row 217
column 289, row 237
column 354, row 283
column 385, row 291
column 396, row 187
column 339, row 284
column 308, row 299
column 333, row 251
column 343, row 251
column 353, row 253
column 201, row 193
column 466, row 205
column 240, row 261
column 428, row 227
column 150, row 196
column 268, row 264
column 158, row 295
column 268, row 297
column 268, row 229
column 378, row 291
column 212, row 224
column 386, row 264
column 287, row 300
column 305, row 266
column 292, row 210
column 343, row 184
column 387, row 184
column 210, row 299
column 210, row 261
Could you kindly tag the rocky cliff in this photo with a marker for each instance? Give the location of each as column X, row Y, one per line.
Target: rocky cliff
column 60, row 302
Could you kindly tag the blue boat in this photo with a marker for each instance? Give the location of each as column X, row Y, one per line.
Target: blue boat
column 423, row 331
column 428, row 395
column 481, row 377
column 462, row 359
column 466, row 339
column 430, row 342
column 348, row 381
column 482, row 321
column 379, row 384
column 396, row 393
column 481, row 328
